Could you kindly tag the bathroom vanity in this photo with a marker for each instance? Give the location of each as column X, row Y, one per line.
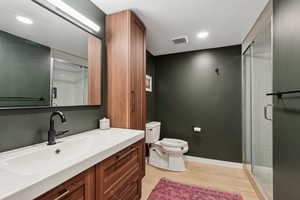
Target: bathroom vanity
column 93, row 165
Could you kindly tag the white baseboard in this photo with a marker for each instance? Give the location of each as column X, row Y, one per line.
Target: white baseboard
column 214, row 162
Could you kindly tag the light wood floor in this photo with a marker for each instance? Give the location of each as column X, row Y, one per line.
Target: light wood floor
column 211, row 176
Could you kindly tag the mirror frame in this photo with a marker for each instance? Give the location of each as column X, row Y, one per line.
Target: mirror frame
column 52, row 9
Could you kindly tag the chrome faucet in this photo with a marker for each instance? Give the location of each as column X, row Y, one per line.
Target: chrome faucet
column 52, row 133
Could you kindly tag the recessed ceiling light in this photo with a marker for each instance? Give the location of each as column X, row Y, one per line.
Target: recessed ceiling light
column 24, row 20
column 202, row 35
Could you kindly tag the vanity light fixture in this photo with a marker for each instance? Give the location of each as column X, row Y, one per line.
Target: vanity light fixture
column 62, row 6
column 24, row 20
column 202, row 35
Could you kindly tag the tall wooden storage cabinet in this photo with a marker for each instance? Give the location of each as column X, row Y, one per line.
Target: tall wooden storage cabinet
column 126, row 56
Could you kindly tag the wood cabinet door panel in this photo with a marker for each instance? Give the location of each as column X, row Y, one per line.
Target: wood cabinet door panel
column 118, row 90
column 81, row 187
column 122, row 189
column 119, row 177
column 118, row 167
column 137, row 74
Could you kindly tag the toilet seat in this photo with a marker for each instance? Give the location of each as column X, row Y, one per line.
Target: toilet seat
column 173, row 145
column 175, row 150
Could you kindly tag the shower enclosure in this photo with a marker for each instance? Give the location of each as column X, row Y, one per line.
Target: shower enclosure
column 257, row 110
column 69, row 83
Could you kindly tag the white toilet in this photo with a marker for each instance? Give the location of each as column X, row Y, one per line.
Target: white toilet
column 165, row 153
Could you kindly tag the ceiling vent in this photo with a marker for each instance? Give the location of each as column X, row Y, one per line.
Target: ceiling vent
column 180, row 40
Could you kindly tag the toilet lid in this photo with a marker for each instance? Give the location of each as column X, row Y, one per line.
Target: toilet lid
column 173, row 143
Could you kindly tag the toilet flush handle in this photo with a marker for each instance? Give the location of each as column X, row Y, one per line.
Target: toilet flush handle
column 160, row 153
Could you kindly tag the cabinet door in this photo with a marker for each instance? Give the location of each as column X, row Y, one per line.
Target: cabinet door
column 119, row 176
column 137, row 73
column 118, row 74
column 81, row 187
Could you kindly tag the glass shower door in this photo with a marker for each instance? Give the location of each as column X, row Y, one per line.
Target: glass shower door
column 70, row 83
column 262, row 132
column 247, row 106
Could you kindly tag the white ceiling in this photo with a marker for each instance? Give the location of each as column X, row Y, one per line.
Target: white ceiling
column 227, row 21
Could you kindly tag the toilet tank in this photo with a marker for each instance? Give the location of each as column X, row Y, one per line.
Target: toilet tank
column 152, row 132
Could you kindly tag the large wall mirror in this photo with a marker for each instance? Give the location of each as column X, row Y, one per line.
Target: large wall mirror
column 45, row 60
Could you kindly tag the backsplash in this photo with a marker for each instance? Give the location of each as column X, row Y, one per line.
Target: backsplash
column 21, row 128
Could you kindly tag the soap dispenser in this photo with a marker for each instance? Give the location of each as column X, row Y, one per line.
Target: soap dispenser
column 104, row 124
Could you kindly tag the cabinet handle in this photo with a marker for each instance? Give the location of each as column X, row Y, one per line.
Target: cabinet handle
column 133, row 101
column 63, row 194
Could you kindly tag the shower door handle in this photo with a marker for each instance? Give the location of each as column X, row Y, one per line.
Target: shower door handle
column 266, row 112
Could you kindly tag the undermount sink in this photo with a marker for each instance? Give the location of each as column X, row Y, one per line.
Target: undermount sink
column 42, row 158
column 45, row 158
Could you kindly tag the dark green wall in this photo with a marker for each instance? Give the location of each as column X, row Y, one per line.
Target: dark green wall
column 150, row 69
column 190, row 93
column 286, row 113
column 19, row 60
column 24, row 127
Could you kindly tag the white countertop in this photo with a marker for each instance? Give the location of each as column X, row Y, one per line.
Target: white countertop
column 28, row 172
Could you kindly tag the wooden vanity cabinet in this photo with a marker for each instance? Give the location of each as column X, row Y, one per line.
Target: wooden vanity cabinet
column 118, row 177
column 81, row 187
column 126, row 70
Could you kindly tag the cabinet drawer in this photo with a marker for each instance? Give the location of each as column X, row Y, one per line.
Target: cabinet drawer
column 127, row 189
column 81, row 187
column 119, row 166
